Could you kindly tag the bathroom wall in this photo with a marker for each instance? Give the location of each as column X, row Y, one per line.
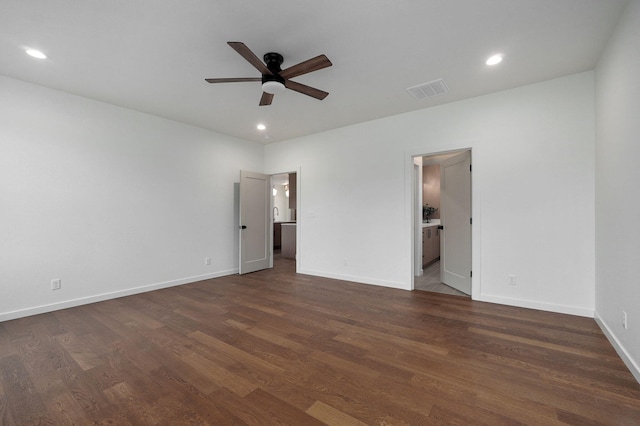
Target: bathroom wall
column 281, row 201
column 431, row 187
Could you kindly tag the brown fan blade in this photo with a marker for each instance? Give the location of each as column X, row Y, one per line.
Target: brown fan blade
column 306, row 90
column 247, row 54
column 266, row 99
column 307, row 66
column 231, row 80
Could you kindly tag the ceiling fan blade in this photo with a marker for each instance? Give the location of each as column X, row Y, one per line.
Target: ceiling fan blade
column 231, row 80
column 307, row 66
column 266, row 99
column 306, row 90
column 247, row 54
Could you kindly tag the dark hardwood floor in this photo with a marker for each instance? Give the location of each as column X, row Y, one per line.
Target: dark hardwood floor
column 274, row 347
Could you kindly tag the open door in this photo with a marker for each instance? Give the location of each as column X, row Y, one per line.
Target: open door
column 455, row 215
column 255, row 235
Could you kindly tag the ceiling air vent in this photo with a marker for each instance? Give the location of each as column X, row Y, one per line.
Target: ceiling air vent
column 429, row 90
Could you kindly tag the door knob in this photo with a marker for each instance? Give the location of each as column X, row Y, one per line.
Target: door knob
column 440, row 227
column 243, row 226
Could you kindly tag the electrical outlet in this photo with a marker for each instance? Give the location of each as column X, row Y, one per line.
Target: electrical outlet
column 624, row 320
column 207, row 261
column 56, row 284
column 511, row 280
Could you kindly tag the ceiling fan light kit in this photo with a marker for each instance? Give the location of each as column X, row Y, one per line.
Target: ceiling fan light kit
column 274, row 79
column 273, row 87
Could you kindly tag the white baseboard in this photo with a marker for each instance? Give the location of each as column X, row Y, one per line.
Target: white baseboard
column 521, row 303
column 542, row 306
column 6, row 316
column 631, row 364
column 356, row 279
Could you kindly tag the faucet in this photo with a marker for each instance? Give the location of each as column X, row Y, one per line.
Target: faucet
column 276, row 212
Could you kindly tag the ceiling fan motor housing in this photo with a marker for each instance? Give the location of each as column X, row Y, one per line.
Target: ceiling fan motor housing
column 273, row 61
column 274, row 77
column 273, row 83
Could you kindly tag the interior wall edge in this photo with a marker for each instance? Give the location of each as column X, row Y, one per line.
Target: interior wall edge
column 628, row 360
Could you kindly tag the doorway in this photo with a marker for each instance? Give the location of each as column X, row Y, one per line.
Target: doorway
column 259, row 209
column 442, row 225
column 284, row 218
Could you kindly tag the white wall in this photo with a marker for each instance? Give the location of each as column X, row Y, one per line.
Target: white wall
column 109, row 200
column 533, row 189
column 617, row 181
column 115, row 202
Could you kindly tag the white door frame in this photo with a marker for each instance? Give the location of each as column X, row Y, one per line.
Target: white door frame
column 295, row 170
column 410, row 211
column 417, row 220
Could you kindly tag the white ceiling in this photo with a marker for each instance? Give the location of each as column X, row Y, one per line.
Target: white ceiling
column 153, row 55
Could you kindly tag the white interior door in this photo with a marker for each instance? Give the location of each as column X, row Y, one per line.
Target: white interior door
column 455, row 215
column 255, row 238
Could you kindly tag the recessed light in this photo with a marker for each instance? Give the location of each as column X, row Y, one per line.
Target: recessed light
column 36, row 53
column 494, row 60
column 261, row 126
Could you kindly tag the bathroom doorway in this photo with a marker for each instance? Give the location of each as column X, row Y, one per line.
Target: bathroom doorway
column 442, row 201
column 284, row 217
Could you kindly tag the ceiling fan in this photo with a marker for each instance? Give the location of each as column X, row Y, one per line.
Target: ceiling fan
column 275, row 80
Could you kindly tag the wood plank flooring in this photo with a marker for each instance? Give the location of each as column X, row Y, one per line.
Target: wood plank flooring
column 274, row 347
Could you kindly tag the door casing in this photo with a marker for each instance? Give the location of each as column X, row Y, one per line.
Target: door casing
column 411, row 212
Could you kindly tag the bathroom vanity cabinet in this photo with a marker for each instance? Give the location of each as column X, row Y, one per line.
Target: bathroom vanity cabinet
column 288, row 240
column 430, row 242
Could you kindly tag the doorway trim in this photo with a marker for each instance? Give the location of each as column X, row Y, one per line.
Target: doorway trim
column 411, row 208
column 271, row 174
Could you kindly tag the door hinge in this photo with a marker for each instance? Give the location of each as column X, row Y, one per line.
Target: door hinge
column 470, row 221
column 469, row 167
column 471, row 274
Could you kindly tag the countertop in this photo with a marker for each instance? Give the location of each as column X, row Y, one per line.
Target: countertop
column 434, row 222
